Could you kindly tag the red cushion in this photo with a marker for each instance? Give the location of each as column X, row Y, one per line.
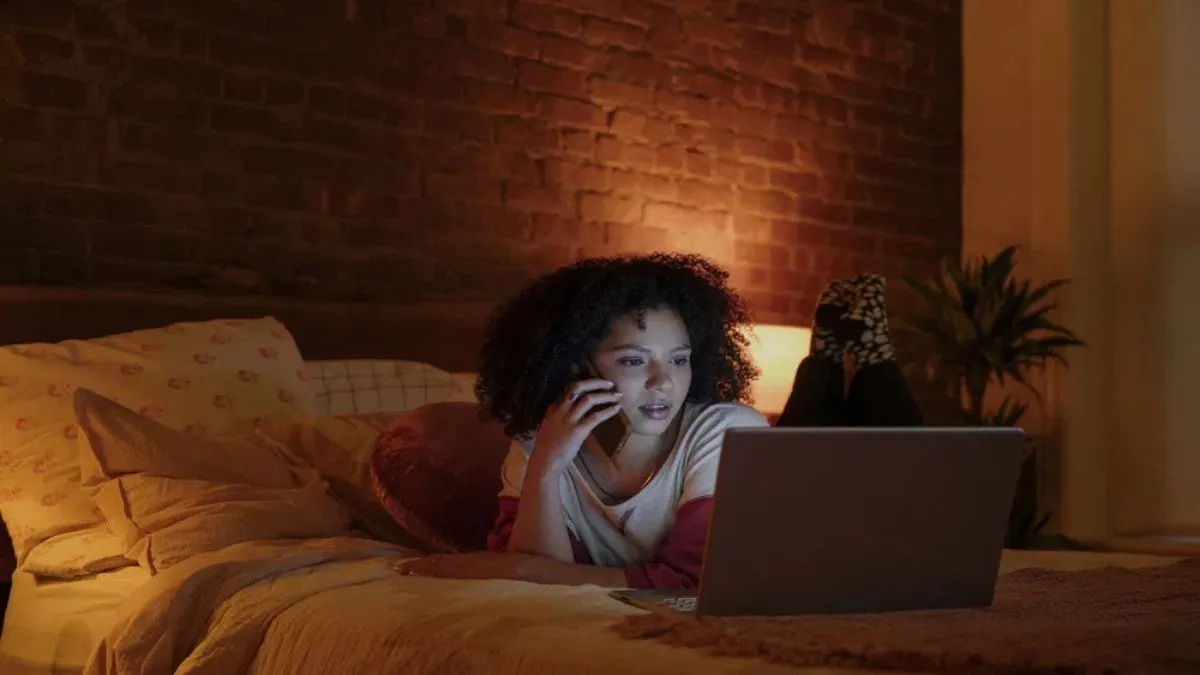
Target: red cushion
column 436, row 470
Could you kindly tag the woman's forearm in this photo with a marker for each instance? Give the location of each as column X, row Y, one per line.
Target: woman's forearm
column 543, row 570
column 541, row 524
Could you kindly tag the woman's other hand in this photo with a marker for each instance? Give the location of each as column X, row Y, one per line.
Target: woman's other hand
column 568, row 422
column 475, row 565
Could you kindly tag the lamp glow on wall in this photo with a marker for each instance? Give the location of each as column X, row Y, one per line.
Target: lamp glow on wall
column 777, row 351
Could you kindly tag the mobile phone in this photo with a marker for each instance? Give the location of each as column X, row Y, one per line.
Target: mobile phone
column 612, row 433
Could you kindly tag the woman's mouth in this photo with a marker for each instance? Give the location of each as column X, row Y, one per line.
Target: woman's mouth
column 656, row 411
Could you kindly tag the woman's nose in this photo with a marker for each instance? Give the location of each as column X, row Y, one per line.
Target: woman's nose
column 660, row 380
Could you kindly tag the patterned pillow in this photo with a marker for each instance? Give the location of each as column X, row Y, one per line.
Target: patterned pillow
column 77, row 553
column 356, row 387
column 437, row 471
column 199, row 377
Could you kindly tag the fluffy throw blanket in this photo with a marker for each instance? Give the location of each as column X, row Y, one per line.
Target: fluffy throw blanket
column 1089, row 622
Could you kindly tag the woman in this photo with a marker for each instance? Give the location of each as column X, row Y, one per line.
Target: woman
column 658, row 340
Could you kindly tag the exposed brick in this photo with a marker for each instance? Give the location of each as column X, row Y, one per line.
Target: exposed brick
column 572, row 113
column 487, row 9
column 457, row 124
column 571, row 53
column 639, row 69
column 481, row 64
column 672, row 217
column 44, row 50
column 599, row 208
column 705, row 195
column 706, row 85
column 503, row 39
column 598, row 32
column 621, row 153
column 795, row 182
column 633, row 125
column 768, row 202
column 571, row 176
column 52, row 91
column 476, row 142
column 251, row 121
column 548, row 19
column 876, row 24
column 706, row 30
column 656, row 187
column 670, row 158
column 498, row 98
column 780, row 152
column 535, row 199
column 539, row 77
column 529, row 133
column 471, row 187
column 619, row 93
column 698, row 164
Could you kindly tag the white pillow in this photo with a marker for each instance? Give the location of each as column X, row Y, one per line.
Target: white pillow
column 169, row 496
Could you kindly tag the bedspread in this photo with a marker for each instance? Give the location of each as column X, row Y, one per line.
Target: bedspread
column 334, row 606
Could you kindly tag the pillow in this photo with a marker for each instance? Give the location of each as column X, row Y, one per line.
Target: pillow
column 340, row 448
column 437, row 472
column 347, row 387
column 202, row 377
column 77, row 553
column 169, row 496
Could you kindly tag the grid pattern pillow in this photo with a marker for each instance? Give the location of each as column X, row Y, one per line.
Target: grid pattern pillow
column 359, row 387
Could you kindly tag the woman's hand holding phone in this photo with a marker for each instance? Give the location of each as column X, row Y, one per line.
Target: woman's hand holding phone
column 568, row 422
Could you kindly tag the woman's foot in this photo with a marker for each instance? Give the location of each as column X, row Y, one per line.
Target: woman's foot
column 833, row 328
column 868, row 306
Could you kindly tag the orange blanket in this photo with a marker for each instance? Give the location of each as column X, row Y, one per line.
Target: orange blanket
column 1090, row 622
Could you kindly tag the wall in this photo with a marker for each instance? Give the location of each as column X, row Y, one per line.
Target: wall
column 420, row 149
column 1155, row 210
column 1077, row 146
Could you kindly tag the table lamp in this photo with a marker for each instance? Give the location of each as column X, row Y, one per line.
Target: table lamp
column 777, row 351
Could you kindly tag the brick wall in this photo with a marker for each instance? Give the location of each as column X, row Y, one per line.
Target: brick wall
column 413, row 148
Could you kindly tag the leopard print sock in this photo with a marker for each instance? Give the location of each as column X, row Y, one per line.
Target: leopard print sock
column 874, row 345
column 831, row 331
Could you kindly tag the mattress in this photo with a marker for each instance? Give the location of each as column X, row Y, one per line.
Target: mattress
column 52, row 627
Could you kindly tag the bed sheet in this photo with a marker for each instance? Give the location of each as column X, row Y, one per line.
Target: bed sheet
column 335, row 607
column 52, row 627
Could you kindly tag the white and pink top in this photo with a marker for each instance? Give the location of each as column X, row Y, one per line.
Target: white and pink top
column 658, row 535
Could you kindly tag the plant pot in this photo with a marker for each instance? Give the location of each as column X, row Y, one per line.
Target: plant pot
column 1025, row 520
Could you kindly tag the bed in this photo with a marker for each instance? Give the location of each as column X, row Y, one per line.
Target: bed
column 317, row 604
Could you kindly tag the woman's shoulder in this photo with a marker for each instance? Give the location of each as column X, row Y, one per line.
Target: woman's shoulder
column 715, row 418
column 727, row 414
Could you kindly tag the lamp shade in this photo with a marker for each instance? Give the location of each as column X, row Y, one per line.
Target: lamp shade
column 777, row 351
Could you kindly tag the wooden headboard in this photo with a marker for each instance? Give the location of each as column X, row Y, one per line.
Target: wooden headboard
column 444, row 334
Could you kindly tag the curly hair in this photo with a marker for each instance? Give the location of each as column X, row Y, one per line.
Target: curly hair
column 537, row 338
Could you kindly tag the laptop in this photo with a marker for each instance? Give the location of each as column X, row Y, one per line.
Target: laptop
column 820, row 520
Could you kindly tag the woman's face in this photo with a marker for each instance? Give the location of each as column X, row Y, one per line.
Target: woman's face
column 652, row 367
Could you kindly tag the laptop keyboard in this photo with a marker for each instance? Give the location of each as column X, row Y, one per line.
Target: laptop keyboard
column 684, row 604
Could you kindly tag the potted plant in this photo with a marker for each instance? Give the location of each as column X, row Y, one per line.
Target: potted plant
column 978, row 326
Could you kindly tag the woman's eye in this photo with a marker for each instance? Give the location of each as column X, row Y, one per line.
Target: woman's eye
column 680, row 361
column 631, row 363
